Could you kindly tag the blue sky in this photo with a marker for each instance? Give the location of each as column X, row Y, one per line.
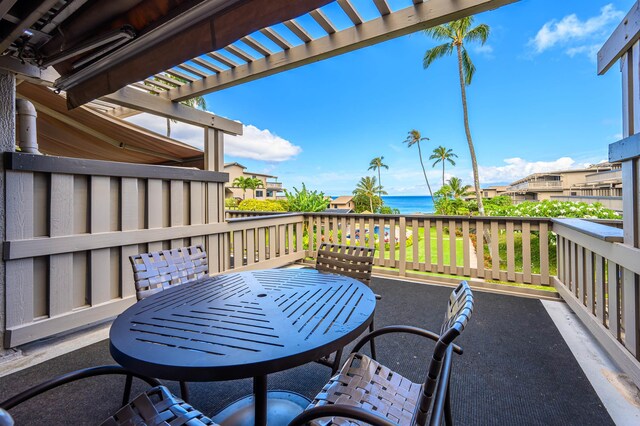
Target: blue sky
column 536, row 103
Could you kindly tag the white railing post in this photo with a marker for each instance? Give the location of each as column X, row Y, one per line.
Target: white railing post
column 624, row 45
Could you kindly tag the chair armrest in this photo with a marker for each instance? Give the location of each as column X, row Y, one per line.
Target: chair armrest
column 378, row 297
column 337, row 410
column 402, row 329
column 72, row 377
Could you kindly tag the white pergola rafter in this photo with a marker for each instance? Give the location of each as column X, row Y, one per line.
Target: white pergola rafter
column 420, row 15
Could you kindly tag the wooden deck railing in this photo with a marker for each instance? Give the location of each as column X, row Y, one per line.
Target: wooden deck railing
column 72, row 224
column 597, row 277
column 519, row 250
column 267, row 241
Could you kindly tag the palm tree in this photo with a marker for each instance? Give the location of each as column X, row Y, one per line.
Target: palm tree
column 377, row 163
column 242, row 183
column 458, row 190
column 369, row 188
column 456, row 33
column 197, row 102
column 414, row 138
column 440, row 154
column 254, row 183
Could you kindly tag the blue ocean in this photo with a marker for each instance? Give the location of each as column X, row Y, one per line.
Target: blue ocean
column 410, row 204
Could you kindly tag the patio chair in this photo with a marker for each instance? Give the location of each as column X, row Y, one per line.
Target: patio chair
column 156, row 406
column 153, row 272
column 366, row 391
column 354, row 262
column 156, row 271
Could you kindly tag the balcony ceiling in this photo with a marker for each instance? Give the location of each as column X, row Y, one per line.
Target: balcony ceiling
column 179, row 49
column 86, row 133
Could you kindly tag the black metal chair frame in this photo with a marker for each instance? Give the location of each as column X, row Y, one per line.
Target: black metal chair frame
column 155, row 405
column 363, row 265
column 434, row 404
column 103, row 370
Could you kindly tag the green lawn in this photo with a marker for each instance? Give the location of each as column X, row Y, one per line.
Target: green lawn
column 434, row 248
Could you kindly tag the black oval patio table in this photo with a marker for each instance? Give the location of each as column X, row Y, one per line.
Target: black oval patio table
column 243, row 325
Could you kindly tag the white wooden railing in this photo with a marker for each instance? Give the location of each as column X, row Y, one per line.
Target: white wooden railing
column 443, row 244
column 597, row 275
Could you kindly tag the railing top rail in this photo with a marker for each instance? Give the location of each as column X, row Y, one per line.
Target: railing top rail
column 264, row 217
column 593, row 229
column 21, row 161
column 434, row 217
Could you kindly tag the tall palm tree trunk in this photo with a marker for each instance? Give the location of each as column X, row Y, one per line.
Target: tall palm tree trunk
column 379, row 183
column 423, row 171
column 443, row 172
column 472, row 151
column 371, row 204
column 168, row 127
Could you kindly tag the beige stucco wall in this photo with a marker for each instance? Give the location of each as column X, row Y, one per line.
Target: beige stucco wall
column 236, row 171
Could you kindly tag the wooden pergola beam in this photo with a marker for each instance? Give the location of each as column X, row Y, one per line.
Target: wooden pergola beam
column 323, row 21
column 623, row 37
column 272, row 35
column 207, row 65
column 396, row 24
column 236, row 51
column 256, row 45
column 5, row 5
column 29, row 20
column 159, row 105
column 297, row 29
column 351, row 11
column 383, row 7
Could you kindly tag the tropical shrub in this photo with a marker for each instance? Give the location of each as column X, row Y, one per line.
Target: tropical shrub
column 388, row 210
column 553, row 208
column 362, row 204
column 231, row 203
column 261, row 206
column 499, row 201
column 305, row 200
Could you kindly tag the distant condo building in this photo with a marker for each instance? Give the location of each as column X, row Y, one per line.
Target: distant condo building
column 601, row 183
column 342, row 204
column 270, row 185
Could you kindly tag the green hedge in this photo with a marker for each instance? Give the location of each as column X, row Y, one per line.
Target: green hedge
column 263, row 205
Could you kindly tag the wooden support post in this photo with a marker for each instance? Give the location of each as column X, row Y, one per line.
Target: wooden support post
column 217, row 245
column 7, row 144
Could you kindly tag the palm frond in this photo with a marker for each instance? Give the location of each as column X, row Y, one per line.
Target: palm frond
column 436, row 53
column 467, row 66
column 461, row 26
column 453, row 163
column 440, row 32
column 479, row 33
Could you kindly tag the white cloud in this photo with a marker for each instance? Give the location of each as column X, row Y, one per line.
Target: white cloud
column 254, row 143
column 517, row 168
column 571, row 30
column 260, row 145
column 484, row 49
column 591, row 50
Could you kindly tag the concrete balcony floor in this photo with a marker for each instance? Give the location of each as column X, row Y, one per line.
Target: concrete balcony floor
column 526, row 361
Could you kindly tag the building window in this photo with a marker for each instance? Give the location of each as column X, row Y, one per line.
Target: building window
column 259, row 193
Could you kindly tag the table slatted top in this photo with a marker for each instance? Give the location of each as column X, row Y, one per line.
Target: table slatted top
column 241, row 325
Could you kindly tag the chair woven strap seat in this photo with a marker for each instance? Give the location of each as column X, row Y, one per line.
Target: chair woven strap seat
column 158, row 407
column 354, row 262
column 153, row 272
column 366, row 383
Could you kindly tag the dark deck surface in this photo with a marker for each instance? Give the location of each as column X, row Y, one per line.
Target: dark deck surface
column 516, row 368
